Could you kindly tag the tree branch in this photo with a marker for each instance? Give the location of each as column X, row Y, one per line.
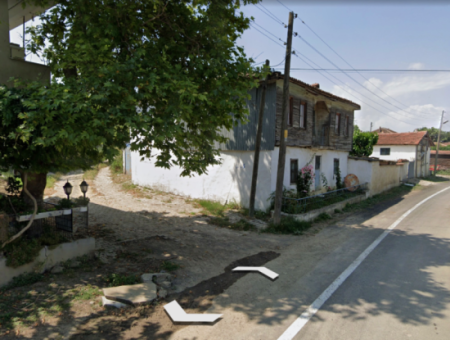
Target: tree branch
column 25, row 178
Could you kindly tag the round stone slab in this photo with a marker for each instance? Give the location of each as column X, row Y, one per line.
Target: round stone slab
column 132, row 294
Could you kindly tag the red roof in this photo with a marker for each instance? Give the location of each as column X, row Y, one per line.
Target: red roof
column 441, row 152
column 407, row 138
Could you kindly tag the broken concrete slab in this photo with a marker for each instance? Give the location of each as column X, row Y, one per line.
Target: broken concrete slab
column 111, row 303
column 132, row 294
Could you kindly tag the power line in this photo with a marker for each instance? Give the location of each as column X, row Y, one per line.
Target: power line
column 270, row 15
column 357, row 71
column 319, row 70
column 365, row 70
column 357, row 82
column 353, row 90
column 268, row 32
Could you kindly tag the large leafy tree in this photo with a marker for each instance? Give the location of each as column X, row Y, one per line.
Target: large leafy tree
column 165, row 74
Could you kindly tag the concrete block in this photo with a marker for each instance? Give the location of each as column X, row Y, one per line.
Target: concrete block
column 132, row 294
column 111, row 303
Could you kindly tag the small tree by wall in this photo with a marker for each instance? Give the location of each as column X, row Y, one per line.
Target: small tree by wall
column 363, row 143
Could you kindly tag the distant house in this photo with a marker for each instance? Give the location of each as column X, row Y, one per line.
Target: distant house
column 443, row 162
column 384, row 130
column 412, row 146
column 319, row 132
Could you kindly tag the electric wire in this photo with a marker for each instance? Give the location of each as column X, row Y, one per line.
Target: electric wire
column 270, row 15
column 364, row 70
column 342, row 58
column 357, row 82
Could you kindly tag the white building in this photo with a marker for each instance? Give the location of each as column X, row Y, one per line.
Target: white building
column 412, row 146
column 320, row 130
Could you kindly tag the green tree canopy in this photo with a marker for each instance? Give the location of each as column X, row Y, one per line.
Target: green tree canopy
column 363, row 142
column 169, row 71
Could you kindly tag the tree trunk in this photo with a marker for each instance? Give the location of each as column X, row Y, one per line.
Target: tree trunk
column 36, row 186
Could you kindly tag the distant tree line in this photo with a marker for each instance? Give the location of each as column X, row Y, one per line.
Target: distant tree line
column 433, row 133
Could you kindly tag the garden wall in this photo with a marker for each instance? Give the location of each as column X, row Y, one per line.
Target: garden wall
column 380, row 177
column 48, row 257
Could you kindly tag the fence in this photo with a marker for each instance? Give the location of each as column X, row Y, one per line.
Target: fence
column 64, row 224
column 293, row 205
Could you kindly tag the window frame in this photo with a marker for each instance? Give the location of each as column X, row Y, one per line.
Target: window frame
column 337, row 124
column 336, row 161
column 293, row 179
column 290, row 117
column 302, row 121
column 385, row 154
column 346, row 124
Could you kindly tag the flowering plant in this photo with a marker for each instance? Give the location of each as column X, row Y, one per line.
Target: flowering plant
column 304, row 180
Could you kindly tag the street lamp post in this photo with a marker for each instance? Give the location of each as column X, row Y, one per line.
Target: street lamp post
column 67, row 189
column 84, row 188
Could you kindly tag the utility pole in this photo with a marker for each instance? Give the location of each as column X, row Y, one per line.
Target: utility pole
column 371, row 124
column 438, row 141
column 283, row 131
column 251, row 210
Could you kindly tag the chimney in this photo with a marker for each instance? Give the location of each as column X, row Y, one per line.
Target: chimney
column 316, row 85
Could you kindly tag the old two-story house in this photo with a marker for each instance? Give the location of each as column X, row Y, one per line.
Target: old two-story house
column 319, row 132
column 12, row 56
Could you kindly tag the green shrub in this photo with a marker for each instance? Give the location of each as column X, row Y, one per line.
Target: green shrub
column 21, row 252
column 322, row 217
column 288, row 225
column 337, row 211
column 116, row 165
column 169, row 266
column 115, row 280
column 23, row 280
column 64, row 204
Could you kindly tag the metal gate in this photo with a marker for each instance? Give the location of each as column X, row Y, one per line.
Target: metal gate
column 411, row 169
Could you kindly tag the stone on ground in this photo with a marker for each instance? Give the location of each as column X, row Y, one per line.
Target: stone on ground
column 156, row 277
column 132, row 294
column 111, row 303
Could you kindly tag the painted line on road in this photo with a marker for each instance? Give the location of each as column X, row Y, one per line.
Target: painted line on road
column 303, row 319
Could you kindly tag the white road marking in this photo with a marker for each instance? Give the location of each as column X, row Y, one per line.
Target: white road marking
column 302, row 320
column 177, row 314
column 262, row 270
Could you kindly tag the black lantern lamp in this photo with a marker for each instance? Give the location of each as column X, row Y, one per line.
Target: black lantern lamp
column 84, row 188
column 68, row 189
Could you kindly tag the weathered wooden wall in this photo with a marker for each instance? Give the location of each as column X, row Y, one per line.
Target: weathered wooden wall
column 243, row 136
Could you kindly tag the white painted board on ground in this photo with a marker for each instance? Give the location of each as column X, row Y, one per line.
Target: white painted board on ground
column 263, row 270
column 177, row 314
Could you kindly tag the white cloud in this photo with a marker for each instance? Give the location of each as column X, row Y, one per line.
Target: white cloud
column 404, row 93
column 416, row 66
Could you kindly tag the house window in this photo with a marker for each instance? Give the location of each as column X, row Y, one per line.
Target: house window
column 337, row 126
column 385, row 151
column 291, row 111
column 335, row 166
column 294, row 171
column 346, row 125
column 303, row 115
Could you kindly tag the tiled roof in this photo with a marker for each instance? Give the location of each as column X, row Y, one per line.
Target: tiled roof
column 278, row 75
column 407, row 138
column 441, row 152
column 384, row 130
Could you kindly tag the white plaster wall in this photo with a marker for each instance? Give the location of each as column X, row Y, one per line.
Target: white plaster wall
column 304, row 156
column 397, row 152
column 379, row 177
column 361, row 169
column 228, row 181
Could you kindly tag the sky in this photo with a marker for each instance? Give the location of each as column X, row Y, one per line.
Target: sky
column 407, row 35
column 384, row 35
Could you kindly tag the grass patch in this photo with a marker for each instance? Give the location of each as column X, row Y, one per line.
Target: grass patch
column 288, row 225
column 86, row 293
column 259, row 214
column 169, row 266
column 115, row 280
column 93, row 172
column 337, row 211
column 322, row 217
column 443, row 172
column 116, row 165
column 385, row 196
column 52, row 179
column 224, row 222
column 213, row 208
column 435, row 179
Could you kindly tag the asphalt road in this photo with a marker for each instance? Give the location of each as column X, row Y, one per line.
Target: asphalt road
column 401, row 290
